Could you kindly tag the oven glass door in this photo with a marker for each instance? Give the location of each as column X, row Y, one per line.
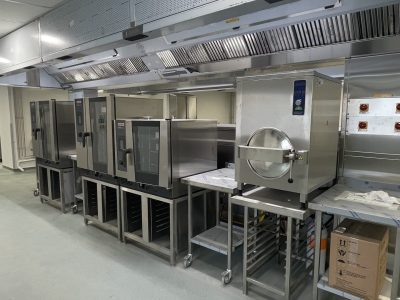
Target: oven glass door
column 35, row 124
column 99, row 138
column 47, row 131
column 146, row 144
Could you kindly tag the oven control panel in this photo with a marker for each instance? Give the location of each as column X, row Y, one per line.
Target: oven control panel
column 374, row 116
column 120, row 138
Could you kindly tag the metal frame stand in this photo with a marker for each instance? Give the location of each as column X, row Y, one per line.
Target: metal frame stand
column 265, row 240
column 48, row 184
column 326, row 204
column 152, row 220
column 219, row 237
column 99, row 200
column 78, row 194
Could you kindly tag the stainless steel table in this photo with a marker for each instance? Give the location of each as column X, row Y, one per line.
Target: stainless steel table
column 332, row 202
column 263, row 239
column 222, row 239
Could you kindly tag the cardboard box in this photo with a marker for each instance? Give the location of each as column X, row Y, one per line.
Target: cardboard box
column 358, row 257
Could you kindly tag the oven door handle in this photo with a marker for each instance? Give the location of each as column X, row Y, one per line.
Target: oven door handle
column 83, row 136
column 35, row 133
column 273, row 155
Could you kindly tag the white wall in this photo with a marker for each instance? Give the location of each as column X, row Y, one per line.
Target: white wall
column 129, row 107
column 215, row 105
column 7, row 127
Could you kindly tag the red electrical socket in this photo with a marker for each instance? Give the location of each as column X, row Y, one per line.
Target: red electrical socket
column 362, row 125
column 364, row 107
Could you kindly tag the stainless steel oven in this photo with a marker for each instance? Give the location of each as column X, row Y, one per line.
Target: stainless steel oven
column 53, row 130
column 160, row 152
column 94, row 134
column 287, row 131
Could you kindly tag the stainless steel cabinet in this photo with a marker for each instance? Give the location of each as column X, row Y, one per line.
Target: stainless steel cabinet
column 94, row 135
column 159, row 152
column 52, row 129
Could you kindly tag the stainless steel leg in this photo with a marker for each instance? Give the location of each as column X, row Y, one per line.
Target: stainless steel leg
column 229, row 232
column 187, row 261
column 317, row 252
column 172, row 230
column 396, row 269
column 289, row 231
column 62, row 192
column 119, row 215
column 123, row 215
column 246, row 228
column 190, row 222
column 227, row 275
column 217, row 207
column 205, row 211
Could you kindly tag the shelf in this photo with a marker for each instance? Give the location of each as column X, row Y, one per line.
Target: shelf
column 384, row 295
column 216, row 239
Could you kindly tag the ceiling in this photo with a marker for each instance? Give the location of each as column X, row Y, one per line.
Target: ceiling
column 16, row 13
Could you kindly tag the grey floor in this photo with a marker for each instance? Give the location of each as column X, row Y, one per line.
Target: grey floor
column 48, row 255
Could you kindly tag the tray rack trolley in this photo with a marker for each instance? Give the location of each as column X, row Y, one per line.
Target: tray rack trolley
column 101, row 205
column 55, row 186
column 155, row 222
column 331, row 202
column 277, row 251
column 220, row 236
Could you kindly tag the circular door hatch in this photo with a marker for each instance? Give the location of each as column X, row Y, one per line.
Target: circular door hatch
column 269, row 138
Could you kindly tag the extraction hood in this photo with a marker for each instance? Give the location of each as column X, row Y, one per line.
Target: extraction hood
column 155, row 42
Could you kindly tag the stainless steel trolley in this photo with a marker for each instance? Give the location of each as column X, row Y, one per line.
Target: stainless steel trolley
column 217, row 238
column 275, row 228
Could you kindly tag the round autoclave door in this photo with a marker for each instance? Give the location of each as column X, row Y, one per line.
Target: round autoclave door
column 269, row 138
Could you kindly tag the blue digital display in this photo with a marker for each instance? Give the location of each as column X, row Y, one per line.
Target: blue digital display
column 299, row 97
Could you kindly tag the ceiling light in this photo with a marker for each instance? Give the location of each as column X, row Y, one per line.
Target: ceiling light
column 52, row 40
column 4, row 60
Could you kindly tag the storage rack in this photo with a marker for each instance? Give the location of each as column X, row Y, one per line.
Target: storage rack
column 155, row 222
column 332, row 202
column 55, row 186
column 218, row 237
column 277, row 236
column 101, row 205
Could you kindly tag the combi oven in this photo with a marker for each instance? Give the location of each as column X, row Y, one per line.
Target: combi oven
column 159, row 152
column 94, row 134
column 53, row 130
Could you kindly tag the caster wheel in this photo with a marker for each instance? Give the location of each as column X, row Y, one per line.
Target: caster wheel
column 41, row 200
column 226, row 277
column 36, row 193
column 75, row 209
column 187, row 261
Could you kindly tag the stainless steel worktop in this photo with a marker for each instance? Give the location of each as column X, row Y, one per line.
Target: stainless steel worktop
column 332, row 202
column 222, row 180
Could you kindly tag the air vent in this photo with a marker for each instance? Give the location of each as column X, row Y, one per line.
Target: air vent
column 65, row 57
column 126, row 66
column 362, row 25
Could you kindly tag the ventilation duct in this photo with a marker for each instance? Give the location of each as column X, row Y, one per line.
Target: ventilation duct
column 126, row 66
column 357, row 26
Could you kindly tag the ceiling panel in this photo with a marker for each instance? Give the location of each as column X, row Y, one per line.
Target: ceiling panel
column 6, row 27
column 16, row 13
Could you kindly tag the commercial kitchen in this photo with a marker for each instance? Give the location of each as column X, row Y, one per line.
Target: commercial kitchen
column 200, row 149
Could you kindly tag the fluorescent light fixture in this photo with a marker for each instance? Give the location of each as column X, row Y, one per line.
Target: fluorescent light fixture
column 52, row 40
column 4, row 60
